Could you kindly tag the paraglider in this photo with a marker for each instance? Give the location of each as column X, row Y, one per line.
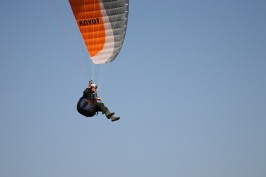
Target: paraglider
column 102, row 25
column 88, row 104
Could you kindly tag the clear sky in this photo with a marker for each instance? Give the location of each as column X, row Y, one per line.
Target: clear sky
column 189, row 85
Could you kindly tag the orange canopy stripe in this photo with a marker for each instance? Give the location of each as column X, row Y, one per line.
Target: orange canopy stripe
column 90, row 22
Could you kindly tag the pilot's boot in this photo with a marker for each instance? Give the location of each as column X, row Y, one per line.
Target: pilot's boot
column 113, row 118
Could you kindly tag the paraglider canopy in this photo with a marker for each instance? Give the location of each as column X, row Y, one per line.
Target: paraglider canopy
column 102, row 24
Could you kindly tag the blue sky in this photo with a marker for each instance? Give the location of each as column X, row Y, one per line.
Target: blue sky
column 189, row 85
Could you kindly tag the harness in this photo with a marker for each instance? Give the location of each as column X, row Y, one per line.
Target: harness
column 85, row 104
column 85, row 108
